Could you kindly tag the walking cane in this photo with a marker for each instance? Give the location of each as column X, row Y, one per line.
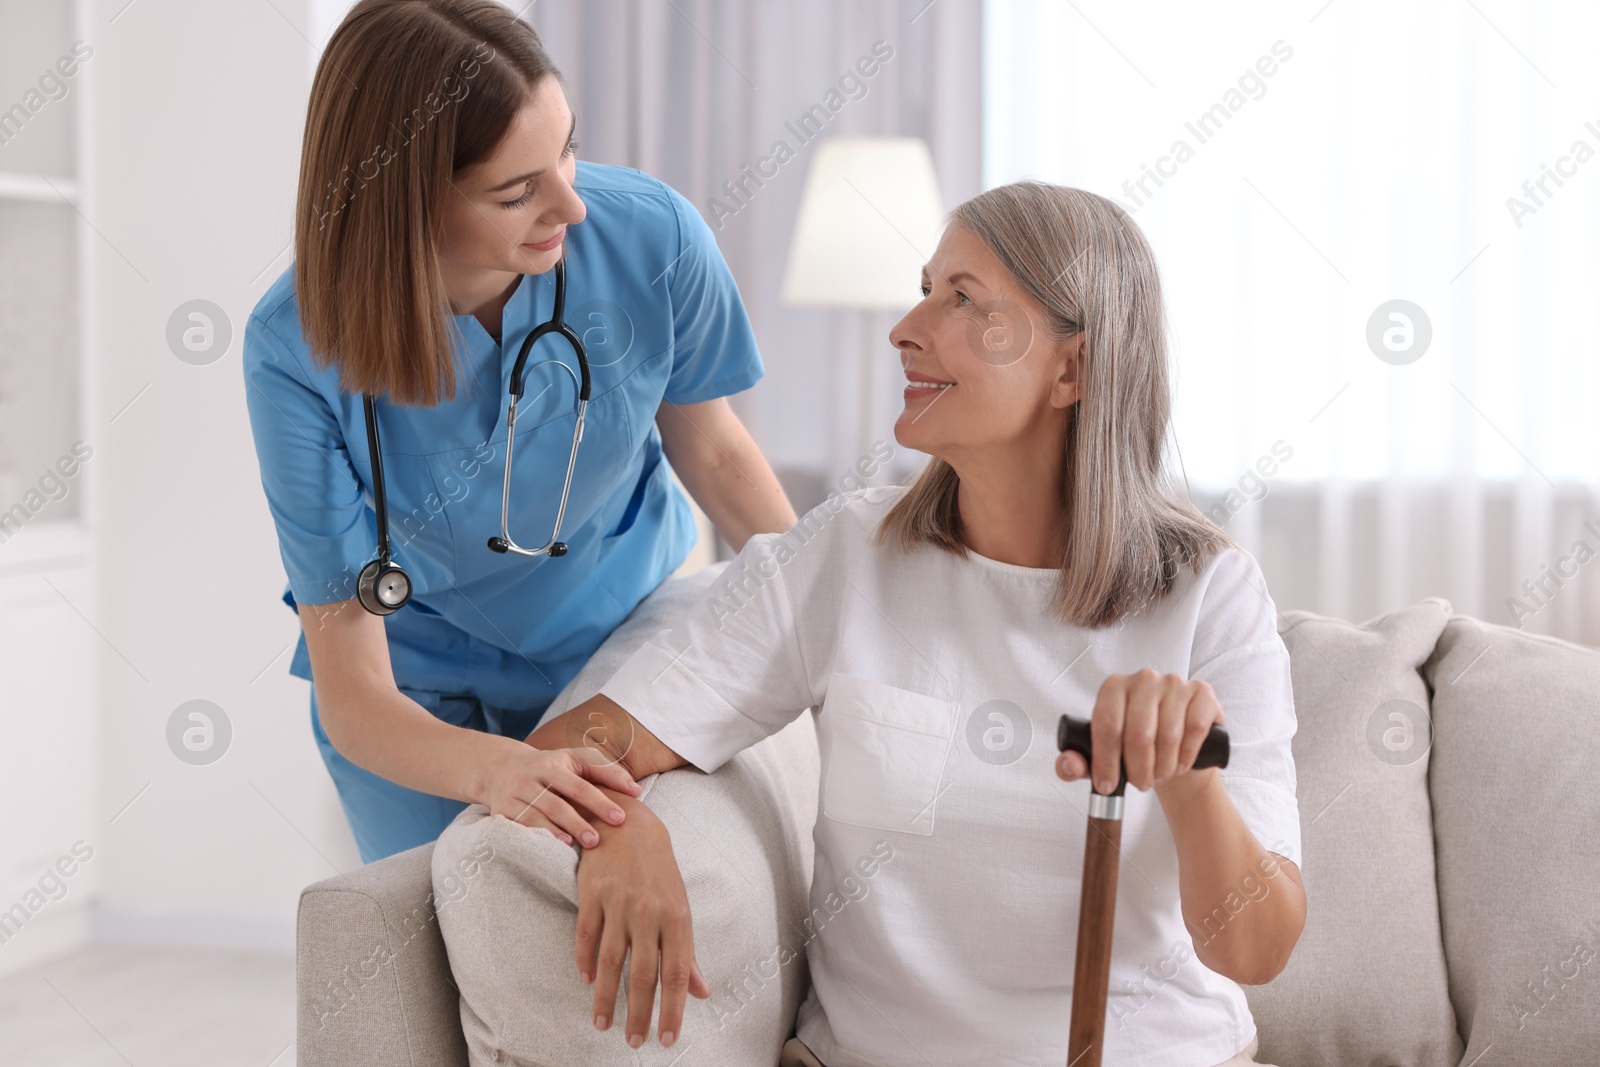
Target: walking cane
column 1091, row 977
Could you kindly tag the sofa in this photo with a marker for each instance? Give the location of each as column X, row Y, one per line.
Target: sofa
column 1447, row 773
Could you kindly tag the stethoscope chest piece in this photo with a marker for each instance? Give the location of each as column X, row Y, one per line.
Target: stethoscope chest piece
column 382, row 587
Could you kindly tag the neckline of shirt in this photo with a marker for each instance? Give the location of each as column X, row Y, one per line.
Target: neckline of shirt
column 891, row 493
column 518, row 295
column 1018, row 569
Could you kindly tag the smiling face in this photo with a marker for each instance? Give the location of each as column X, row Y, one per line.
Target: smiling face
column 982, row 371
column 498, row 212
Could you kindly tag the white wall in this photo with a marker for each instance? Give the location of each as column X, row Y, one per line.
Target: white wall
column 197, row 116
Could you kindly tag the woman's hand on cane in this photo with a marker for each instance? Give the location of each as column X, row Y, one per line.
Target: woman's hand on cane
column 1154, row 722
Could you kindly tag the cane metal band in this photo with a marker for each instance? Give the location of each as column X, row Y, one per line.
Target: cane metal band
column 1104, row 807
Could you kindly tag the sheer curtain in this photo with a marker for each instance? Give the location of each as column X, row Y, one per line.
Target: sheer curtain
column 699, row 92
column 1299, row 168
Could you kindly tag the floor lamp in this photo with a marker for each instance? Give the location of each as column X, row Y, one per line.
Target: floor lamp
column 869, row 219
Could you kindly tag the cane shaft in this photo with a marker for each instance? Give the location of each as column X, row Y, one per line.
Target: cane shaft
column 1102, row 850
column 1092, row 975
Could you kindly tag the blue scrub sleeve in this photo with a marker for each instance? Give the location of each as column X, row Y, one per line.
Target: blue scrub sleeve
column 714, row 347
column 325, row 532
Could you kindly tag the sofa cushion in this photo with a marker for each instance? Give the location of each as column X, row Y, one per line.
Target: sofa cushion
column 1366, row 983
column 1515, row 807
column 742, row 837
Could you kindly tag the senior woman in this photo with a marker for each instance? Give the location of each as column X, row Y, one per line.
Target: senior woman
column 1041, row 563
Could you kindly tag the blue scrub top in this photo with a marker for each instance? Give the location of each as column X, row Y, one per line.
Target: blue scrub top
column 660, row 315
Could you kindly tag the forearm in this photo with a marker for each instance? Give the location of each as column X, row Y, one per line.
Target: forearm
column 725, row 471
column 382, row 730
column 604, row 725
column 742, row 497
column 1244, row 907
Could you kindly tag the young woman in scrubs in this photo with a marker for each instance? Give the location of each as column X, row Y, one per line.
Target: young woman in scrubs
column 439, row 187
column 1043, row 563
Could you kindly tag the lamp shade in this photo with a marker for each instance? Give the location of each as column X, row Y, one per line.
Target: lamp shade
column 869, row 219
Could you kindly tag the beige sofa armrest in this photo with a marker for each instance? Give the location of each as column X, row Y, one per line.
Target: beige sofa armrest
column 373, row 984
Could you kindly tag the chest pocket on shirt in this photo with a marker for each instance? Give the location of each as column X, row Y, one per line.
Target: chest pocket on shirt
column 886, row 754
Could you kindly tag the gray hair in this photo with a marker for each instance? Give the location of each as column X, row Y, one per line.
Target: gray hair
column 1128, row 529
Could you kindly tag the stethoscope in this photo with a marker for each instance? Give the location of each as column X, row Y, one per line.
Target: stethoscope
column 383, row 587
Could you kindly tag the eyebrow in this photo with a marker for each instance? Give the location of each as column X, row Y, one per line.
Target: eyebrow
column 957, row 276
column 519, row 179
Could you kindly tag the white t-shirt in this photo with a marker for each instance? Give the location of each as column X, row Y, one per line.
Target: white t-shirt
column 948, row 854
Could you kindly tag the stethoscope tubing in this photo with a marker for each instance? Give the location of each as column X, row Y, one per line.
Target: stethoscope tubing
column 383, row 587
column 558, row 325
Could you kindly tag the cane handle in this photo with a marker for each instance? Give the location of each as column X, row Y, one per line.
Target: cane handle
column 1073, row 734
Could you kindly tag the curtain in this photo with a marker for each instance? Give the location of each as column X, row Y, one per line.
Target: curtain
column 696, row 91
column 1376, row 229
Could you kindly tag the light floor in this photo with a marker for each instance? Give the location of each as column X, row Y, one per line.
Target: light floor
column 141, row 1006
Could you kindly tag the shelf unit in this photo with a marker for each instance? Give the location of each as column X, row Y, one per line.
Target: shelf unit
column 48, row 654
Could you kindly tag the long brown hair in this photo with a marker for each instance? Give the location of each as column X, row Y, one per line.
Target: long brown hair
column 1127, row 530
column 407, row 95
